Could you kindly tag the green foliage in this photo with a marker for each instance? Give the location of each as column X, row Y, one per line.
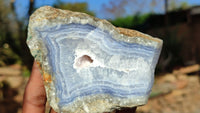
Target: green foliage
column 130, row 21
column 176, row 6
column 184, row 5
column 7, row 56
column 126, row 22
column 26, row 72
column 79, row 7
column 8, row 34
column 155, row 94
column 13, row 47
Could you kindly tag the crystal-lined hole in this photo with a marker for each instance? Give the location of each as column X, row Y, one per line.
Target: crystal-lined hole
column 83, row 61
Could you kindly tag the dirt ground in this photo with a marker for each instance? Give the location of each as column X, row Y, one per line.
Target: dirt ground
column 171, row 93
column 174, row 94
column 12, row 85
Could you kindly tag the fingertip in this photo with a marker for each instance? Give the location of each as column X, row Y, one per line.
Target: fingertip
column 52, row 111
column 34, row 95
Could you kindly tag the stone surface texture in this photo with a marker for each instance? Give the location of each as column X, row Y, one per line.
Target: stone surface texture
column 88, row 65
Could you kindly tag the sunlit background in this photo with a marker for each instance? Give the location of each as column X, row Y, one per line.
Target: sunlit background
column 176, row 22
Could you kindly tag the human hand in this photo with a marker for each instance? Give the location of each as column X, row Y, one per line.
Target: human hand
column 35, row 97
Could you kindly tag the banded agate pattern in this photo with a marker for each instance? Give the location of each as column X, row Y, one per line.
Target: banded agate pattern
column 93, row 67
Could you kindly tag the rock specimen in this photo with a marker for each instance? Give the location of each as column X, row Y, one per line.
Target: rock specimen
column 88, row 65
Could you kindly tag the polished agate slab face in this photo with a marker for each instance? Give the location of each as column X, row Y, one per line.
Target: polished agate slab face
column 88, row 65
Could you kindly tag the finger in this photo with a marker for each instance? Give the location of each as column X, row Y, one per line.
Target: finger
column 52, row 111
column 34, row 96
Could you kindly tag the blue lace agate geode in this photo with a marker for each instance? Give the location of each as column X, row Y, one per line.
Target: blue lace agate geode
column 88, row 65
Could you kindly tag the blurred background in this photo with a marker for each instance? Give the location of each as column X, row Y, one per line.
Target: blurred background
column 176, row 22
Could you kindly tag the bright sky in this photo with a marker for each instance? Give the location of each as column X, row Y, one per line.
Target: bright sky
column 96, row 6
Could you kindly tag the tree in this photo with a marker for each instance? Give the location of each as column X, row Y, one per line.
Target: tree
column 79, row 7
column 13, row 36
column 7, row 33
column 115, row 8
column 131, row 22
column 176, row 6
column 120, row 8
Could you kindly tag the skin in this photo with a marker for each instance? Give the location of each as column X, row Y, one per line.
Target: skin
column 35, row 97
